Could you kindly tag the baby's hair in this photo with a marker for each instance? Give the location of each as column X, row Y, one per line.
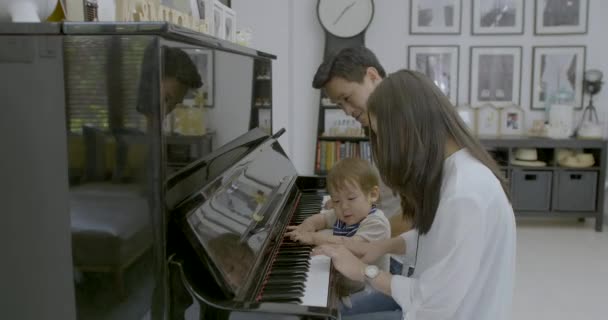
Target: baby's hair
column 352, row 171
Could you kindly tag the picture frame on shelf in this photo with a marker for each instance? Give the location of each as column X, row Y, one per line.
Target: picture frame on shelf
column 497, row 17
column 435, row 16
column 338, row 124
column 557, row 75
column 487, row 120
column 229, row 24
column 218, row 20
column 204, row 61
column 185, row 7
column 440, row 64
column 495, row 76
column 467, row 114
column 512, row 121
column 559, row 17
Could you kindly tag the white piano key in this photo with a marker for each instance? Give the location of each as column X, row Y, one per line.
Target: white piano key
column 316, row 289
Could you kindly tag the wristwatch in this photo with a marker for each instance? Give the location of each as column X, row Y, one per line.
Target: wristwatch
column 371, row 272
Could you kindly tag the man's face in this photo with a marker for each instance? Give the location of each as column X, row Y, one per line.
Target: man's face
column 352, row 96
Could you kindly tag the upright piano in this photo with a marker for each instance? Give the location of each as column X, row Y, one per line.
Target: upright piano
column 227, row 251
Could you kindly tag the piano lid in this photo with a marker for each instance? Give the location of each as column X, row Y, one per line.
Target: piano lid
column 230, row 219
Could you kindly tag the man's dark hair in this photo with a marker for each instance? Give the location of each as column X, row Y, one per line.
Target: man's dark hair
column 349, row 64
column 178, row 65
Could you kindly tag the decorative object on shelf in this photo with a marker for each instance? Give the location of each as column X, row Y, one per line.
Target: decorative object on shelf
column 557, row 70
column 538, row 129
column 467, row 114
column 561, row 121
column 188, row 121
column 440, row 64
column 572, row 159
column 244, row 36
column 497, row 17
column 589, row 125
column 435, row 16
column 338, row 124
column 229, row 24
column 38, row 10
column 558, row 17
column 495, row 75
column 487, row 119
column 203, row 60
column 527, row 157
column 512, row 121
column 184, row 13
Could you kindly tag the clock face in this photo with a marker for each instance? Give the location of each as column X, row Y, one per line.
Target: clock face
column 345, row 18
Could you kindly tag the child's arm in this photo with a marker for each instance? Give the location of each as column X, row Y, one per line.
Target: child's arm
column 310, row 224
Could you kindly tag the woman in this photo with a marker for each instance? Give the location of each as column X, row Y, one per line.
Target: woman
column 461, row 252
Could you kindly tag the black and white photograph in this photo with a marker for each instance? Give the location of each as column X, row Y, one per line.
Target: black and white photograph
column 440, row 64
column 558, row 76
column 497, row 17
column 495, row 75
column 435, row 16
column 218, row 20
column 229, row 24
column 561, row 16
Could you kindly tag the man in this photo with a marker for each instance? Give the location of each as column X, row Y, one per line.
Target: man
column 348, row 78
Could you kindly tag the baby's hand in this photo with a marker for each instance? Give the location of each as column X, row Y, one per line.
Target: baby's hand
column 304, row 227
column 302, row 237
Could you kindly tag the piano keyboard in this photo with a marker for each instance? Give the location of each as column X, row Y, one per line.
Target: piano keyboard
column 295, row 276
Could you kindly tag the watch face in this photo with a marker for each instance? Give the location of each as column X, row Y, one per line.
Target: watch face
column 371, row 271
column 345, row 18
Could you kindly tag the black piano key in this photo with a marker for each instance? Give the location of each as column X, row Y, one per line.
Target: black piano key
column 282, row 300
column 280, row 296
column 287, row 279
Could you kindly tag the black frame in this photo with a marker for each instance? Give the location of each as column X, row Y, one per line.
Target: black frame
column 536, row 32
column 534, row 48
column 471, row 70
column 523, row 21
column 437, row 33
column 457, row 61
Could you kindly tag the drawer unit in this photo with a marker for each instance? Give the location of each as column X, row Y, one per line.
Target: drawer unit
column 531, row 190
column 575, row 191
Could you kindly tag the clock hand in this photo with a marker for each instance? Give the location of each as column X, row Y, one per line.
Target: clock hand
column 344, row 11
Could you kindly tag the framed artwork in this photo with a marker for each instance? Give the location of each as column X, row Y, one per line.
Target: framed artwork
column 205, row 10
column 487, row 119
column 512, row 120
column 229, row 24
column 440, row 64
column 497, row 17
column 218, row 20
column 435, row 16
column 203, row 60
column 467, row 114
column 557, row 76
column 561, row 16
column 495, row 76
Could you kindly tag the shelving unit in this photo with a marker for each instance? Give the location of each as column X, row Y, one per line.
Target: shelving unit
column 553, row 190
column 261, row 101
column 337, row 145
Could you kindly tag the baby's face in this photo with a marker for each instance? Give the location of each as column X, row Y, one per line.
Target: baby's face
column 351, row 204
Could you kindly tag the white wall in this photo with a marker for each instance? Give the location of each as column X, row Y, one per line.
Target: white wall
column 299, row 42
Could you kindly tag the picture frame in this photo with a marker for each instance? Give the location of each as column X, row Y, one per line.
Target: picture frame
column 203, row 59
column 205, row 10
column 557, row 73
column 440, row 64
column 435, row 16
column 218, row 20
column 487, row 120
column 265, row 119
column 229, row 24
column 512, row 121
column 467, row 114
column 559, row 17
column 495, row 75
column 497, row 17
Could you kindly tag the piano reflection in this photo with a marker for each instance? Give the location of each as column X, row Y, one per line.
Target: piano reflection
column 229, row 212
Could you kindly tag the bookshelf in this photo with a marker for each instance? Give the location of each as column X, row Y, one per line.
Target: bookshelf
column 261, row 100
column 338, row 136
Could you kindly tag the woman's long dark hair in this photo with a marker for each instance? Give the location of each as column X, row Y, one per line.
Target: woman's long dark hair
column 415, row 121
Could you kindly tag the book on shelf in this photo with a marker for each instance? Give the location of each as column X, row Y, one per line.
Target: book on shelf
column 330, row 152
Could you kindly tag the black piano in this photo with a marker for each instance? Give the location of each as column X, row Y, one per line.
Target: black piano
column 227, row 252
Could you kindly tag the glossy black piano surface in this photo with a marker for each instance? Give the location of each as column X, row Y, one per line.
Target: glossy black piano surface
column 226, row 246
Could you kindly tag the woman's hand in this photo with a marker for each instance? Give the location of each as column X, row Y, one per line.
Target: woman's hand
column 343, row 260
column 368, row 252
